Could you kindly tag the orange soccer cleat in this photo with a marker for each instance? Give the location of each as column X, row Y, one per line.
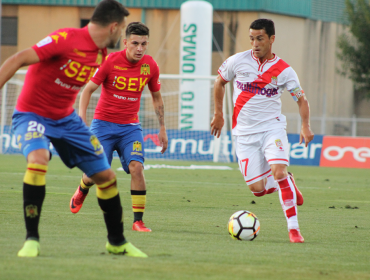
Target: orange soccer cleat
column 77, row 200
column 299, row 194
column 140, row 226
column 295, row 236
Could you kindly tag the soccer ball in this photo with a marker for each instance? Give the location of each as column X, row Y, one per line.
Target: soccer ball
column 243, row 225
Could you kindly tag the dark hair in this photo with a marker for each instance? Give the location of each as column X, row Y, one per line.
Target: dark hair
column 263, row 23
column 108, row 11
column 137, row 28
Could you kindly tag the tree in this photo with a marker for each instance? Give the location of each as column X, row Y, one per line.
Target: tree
column 354, row 48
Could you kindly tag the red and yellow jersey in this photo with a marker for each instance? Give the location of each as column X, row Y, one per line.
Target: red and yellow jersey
column 68, row 59
column 123, row 82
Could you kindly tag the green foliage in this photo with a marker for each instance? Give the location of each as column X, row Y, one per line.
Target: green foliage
column 354, row 48
column 188, row 212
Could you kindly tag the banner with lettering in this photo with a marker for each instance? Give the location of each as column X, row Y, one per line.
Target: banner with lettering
column 351, row 152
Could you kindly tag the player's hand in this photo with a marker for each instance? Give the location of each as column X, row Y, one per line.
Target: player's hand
column 306, row 135
column 217, row 124
column 163, row 139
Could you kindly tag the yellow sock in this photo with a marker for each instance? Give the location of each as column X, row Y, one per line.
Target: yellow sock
column 138, row 204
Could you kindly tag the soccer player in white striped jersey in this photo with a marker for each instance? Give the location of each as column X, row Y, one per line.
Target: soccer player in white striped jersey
column 259, row 128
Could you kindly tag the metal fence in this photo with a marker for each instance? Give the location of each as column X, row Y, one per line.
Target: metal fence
column 336, row 126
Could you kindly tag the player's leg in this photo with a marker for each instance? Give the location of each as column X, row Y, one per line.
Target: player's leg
column 138, row 195
column 30, row 130
column 102, row 130
column 265, row 186
column 79, row 147
column 300, row 199
column 131, row 151
column 253, row 166
column 276, row 152
column 110, row 204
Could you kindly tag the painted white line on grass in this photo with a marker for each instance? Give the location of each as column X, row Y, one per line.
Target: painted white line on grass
column 191, row 167
column 61, row 177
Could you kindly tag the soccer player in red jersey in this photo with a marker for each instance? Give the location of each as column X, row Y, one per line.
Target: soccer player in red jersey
column 116, row 124
column 259, row 128
column 60, row 65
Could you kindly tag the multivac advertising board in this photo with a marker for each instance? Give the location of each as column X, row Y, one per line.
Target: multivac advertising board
column 195, row 60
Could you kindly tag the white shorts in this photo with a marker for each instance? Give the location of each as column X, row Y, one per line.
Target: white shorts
column 256, row 152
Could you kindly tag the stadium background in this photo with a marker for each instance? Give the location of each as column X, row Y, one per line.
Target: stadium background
column 306, row 30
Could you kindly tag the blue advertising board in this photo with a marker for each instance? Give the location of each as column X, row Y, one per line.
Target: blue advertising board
column 198, row 146
column 300, row 155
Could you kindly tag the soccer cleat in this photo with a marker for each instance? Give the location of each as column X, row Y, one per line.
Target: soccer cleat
column 31, row 248
column 77, row 200
column 299, row 194
column 125, row 249
column 295, row 236
column 140, row 226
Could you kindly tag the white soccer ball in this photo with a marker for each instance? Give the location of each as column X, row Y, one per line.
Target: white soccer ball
column 243, row 225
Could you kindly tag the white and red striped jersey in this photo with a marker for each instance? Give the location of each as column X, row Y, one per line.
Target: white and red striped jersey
column 257, row 90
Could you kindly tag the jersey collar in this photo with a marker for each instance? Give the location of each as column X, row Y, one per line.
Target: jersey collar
column 266, row 61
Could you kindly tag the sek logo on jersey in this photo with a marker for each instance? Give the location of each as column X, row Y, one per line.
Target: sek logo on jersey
column 145, row 69
column 279, row 144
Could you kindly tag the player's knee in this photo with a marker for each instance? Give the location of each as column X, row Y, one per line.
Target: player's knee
column 87, row 180
column 103, row 176
column 258, row 186
column 136, row 168
column 40, row 156
column 279, row 171
column 280, row 174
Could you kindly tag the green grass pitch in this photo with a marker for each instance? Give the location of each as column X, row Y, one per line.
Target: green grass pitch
column 188, row 211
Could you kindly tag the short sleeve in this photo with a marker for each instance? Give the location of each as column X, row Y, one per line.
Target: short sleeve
column 292, row 84
column 226, row 70
column 52, row 45
column 154, row 84
column 102, row 72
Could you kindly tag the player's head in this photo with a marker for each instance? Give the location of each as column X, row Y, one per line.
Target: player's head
column 262, row 35
column 110, row 14
column 136, row 41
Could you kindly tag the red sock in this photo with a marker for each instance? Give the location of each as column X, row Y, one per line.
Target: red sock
column 288, row 201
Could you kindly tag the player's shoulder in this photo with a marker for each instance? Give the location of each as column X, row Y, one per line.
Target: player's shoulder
column 282, row 62
column 240, row 57
column 68, row 33
column 67, row 36
column 113, row 55
column 149, row 59
column 286, row 68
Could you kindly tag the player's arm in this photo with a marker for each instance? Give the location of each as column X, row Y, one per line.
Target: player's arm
column 85, row 99
column 218, row 118
column 16, row 61
column 304, row 110
column 159, row 111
